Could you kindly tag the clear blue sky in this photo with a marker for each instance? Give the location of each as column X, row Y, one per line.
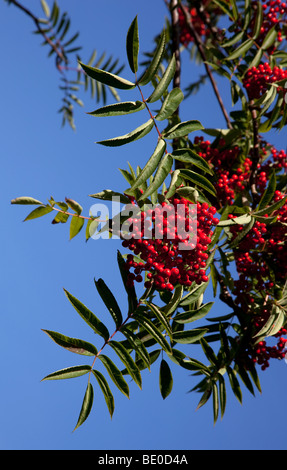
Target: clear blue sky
column 40, row 159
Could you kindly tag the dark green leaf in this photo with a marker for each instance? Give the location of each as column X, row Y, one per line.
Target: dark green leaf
column 119, row 109
column 189, row 156
column 109, row 301
column 68, row 373
column 234, row 384
column 107, row 78
column 106, row 391
column 170, row 104
column 189, row 336
column 198, row 180
column 268, row 193
column 128, row 361
column 86, row 405
column 161, row 318
column 115, row 374
column 241, row 50
column 165, row 379
column 153, row 331
column 157, row 57
column 132, row 45
column 270, row 38
column 136, row 134
column 132, row 298
column 151, row 165
column 161, row 174
column 137, row 345
column 74, row 345
column 215, row 401
column 183, row 129
column 88, row 316
column 109, row 195
column 193, row 295
column 193, row 315
column 164, row 81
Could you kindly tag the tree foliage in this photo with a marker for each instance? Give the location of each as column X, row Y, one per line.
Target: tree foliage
column 235, row 183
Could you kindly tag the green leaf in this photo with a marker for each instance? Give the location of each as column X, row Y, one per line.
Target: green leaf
column 25, row 200
column 162, row 172
column 86, row 405
column 128, row 361
column 242, row 233
column 109, row 301
column 119, row 109
column 68, row 373
column 153, row 331
column 136, row 134
column 258, row 20
column 75, row 206
column 268, row 193
column 189, row 156
column 109, row 195
column 198, row 180
column 106, row 391
column 151, row 165
column 88, row 316
column 215, row 401
column 170, row 104
column 270, row 38
column 193, row 295
column 161, row 317
column 241, row 50
column 157, row 57
column 38, row 212
column 183, row 129
column 164, row 82
column 222, row 394
column 171, row 306
column 115, row 374
column 132, row 45
column 137, row 345
column 165, row 379
column 193, row 315
column 234, row 384
column 132, row 298
column 269, row 210
column 74, row 345
column 76, row 226
column 242, row 219
column 107, row 78
column 189, row 336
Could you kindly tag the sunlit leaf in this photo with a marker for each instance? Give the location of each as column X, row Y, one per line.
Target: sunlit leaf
column 109, row 399
column 132, row 45
column 74, row 345
column 136, row 134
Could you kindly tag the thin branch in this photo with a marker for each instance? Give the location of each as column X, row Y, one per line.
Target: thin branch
column 59, row 53
column 200, row 48
column 256, row 155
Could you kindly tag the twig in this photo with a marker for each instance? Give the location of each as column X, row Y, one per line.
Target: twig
column 200, row 48
column 59, row 53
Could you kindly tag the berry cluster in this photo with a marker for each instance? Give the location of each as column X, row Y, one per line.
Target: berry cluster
column 256, row 80
column 261, row 353
column 199, row 26
column 221, row 159
column 274, row 13
column 168, row 256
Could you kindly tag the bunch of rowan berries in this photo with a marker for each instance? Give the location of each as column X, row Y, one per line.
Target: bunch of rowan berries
column 257, row 79
column 176, row 248
column 274, row 13
column 185, row 36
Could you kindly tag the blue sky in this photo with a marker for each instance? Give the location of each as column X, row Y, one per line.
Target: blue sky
column 41, row 159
